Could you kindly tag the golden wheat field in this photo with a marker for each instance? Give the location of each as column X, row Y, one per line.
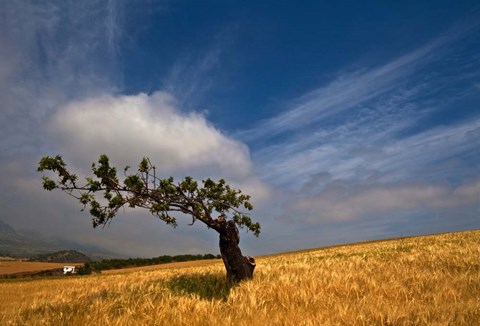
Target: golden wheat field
column 12, row 266
column 430, row 280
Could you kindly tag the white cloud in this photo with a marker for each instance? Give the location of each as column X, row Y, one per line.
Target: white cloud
column 259, row 191
column 128, row 128
column 345, row 202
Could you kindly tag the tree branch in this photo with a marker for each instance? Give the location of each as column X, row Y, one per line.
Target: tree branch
column 106, row 194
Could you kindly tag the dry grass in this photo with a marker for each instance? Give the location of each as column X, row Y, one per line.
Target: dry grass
column 176, row 265
column 14, row 266
column 431, row 280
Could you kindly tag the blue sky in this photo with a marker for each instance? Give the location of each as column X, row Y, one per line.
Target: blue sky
column 346, row 121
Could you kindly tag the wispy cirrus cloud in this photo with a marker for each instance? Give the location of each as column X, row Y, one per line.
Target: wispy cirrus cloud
column 375, row 122
column 50, row 53
column 350, row 154
column 194, row 74
column 348, row 91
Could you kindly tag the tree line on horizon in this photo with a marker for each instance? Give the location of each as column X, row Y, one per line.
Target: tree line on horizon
column 106, row 264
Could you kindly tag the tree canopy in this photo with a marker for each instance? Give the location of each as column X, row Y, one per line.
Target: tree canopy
column 105, row 193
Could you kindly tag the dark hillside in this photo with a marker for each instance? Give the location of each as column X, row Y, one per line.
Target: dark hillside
column 63, row 256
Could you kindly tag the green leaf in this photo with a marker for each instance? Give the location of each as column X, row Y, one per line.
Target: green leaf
column 48, row 184
column 143, row 167
column 134, row 182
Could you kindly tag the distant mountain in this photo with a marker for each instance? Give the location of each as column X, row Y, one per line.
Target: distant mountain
column 14, row 243
column 6, row 231
column 63, row 256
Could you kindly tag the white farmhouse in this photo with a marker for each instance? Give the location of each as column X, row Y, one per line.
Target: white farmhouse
column 69, row 270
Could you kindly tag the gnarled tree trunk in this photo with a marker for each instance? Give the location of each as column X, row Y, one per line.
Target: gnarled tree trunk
column 238, row 267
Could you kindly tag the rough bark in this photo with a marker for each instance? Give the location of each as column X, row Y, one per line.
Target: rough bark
column 238, row 267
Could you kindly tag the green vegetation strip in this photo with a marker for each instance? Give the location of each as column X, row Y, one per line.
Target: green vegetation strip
column 108, row 264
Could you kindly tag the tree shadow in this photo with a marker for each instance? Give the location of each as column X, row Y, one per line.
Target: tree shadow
column 206, row 286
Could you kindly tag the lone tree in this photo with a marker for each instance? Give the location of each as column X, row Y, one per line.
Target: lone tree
column 104, row 194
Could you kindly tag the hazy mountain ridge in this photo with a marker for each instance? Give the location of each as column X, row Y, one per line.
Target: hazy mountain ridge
column 14, row 244
column 6, row 231
column 30, row 244
column 63, row 256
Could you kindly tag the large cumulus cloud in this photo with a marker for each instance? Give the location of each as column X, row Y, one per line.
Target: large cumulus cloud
column 128, row 127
